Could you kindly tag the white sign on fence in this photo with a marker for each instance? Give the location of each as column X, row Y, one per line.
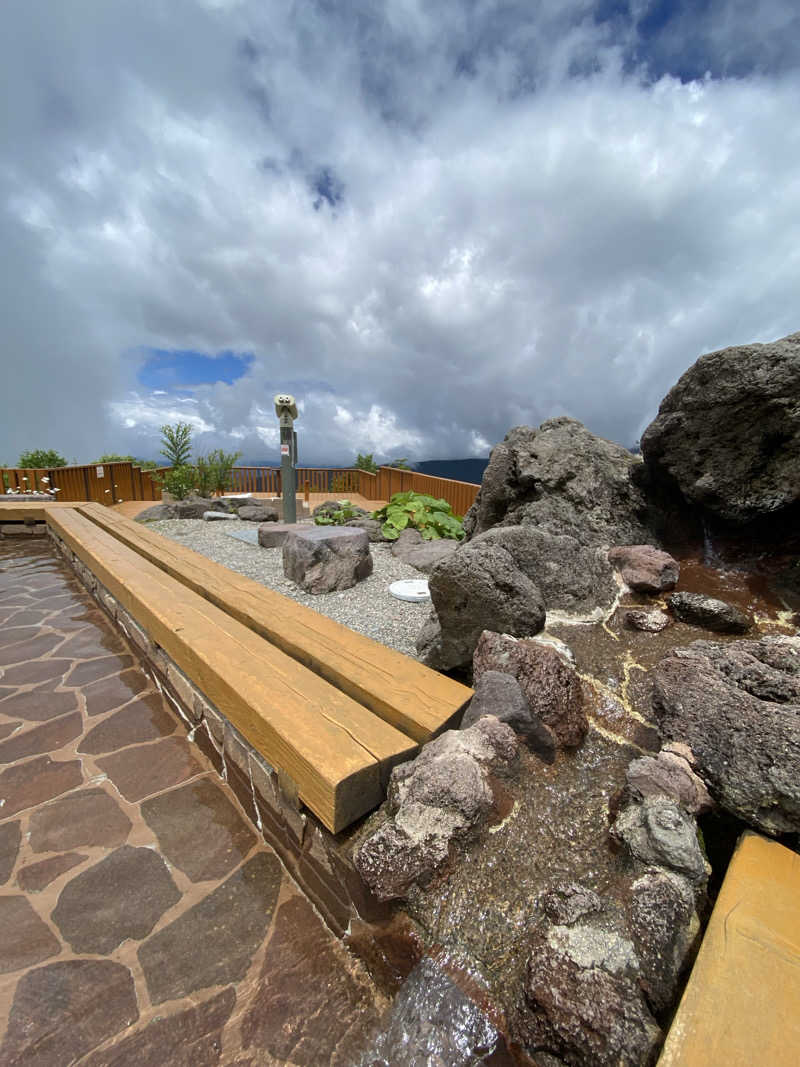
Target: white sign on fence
column 99, row 471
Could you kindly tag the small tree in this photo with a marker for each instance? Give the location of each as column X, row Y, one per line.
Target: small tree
column 177, row 443
column 41, row 457
column 115, row 457
column 221, row 464
column 400, row 464
column 366, row 463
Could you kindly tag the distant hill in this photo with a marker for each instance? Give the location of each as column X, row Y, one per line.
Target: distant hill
column 460, row 470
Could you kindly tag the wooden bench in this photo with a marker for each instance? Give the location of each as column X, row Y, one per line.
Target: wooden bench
column 338, row 753
column 416, row 700
column 741, row 1007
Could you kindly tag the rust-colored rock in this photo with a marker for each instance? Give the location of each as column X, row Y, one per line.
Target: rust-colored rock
column 82, row 819
column 26, row 939
column 145, row 769
column 25, row 784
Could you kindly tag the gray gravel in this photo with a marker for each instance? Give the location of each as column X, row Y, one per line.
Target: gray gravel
column 368, row 607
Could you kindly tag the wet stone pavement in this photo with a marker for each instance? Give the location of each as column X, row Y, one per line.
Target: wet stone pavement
column 142, row 919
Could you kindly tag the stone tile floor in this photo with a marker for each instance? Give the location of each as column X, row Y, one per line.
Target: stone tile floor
column 142, row 919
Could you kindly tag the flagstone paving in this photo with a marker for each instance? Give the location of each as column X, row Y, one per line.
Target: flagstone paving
column 142, row 918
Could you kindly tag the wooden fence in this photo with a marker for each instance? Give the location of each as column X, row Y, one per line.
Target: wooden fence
column 111, row 483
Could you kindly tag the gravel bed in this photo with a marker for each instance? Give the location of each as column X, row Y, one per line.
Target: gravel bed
column 368, row 607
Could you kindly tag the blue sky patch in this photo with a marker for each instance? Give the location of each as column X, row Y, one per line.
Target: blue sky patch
column 174, row 370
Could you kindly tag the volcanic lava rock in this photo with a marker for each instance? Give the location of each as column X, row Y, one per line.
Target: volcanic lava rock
column 322, row 559
column 727, row 435
column 258, row 513
column 668, row 774
column 660, row 833
column 442, row 796
column 563, row 479
column 650, row 622
column 644, row 568
column 708, row 612
column 477, row 588
column 737, row 706
column 500, row 695
column 550, row 684
column 411, row 548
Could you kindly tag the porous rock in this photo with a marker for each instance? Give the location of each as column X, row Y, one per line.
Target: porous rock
column 664, row 927
column 645, row 568
column 659, row 833
column 572, row 575
column 373, row 528
column 274, row 534
column 194, row 507
column 563, row 479
column 156, row 513
column 322, row 559
column 413, row 549
column 737, row 706
column 727, row 435
column 550, row 684
column 708, row 612
column 650, row 622
column 443, row 796
column 584, row 1001
column 500, row 695
column 668, row 774
column 258, row 513
column 476, row 588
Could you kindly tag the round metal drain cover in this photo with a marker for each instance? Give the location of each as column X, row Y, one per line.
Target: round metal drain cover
column 412, row 589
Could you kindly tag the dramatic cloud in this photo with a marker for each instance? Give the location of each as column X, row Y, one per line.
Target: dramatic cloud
column 430, row 222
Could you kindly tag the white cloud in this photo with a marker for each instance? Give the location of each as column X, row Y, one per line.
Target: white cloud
column 520, row 210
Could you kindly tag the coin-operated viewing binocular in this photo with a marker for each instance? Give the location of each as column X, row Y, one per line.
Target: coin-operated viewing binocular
column 285, row 406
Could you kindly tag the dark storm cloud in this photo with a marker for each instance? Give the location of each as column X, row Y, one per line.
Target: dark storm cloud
column 430, row 222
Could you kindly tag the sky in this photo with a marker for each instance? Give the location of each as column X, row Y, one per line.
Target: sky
column 429, row 220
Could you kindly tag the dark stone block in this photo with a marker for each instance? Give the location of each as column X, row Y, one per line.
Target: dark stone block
column 64, row 1010
column 199, row 830
column 10, row 836
column 26, row 939
column 143, row 770
column 213, row 943
column 26, row 784
column 144, row 720
column 37, row 876
column 88, row 817
column 123, row 896
column 191, row 1038
column 47, row 738
column 39, row 705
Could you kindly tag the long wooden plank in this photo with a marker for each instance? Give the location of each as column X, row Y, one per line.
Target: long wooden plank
column 335, row 750
column 18, row 509
column 740, row 1007
column 419, row 701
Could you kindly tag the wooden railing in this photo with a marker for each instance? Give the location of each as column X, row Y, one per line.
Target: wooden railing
column 105, row 483
column 111, row 483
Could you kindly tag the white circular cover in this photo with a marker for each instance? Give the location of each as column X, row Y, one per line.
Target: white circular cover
column 413, row 589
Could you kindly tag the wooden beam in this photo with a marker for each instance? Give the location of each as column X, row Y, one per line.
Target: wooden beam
column 412, row 697
column 740, row 1008
column 334, row 749
column 18, row 509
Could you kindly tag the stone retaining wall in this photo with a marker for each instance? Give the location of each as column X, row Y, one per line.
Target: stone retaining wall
column 319, row 861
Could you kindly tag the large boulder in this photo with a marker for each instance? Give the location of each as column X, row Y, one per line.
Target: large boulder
column 708, row 612
column 411, row 548
column 195, row 507
column 322, row 559
column 258, row 513
column 478, row 587
column 727, row 435
column 572, row 576
column 737, row 706
column 563, row 479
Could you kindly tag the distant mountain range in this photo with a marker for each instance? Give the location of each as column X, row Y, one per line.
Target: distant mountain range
column 460, row 470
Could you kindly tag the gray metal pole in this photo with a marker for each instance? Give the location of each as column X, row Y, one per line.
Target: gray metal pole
column 288, row 481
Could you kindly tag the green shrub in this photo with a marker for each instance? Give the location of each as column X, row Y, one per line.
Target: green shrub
column 343, row 514
column 366, row 463
column 221, row 464
column 116, row 457
column 416, row 511
column 205, row 476
column 41, row 457
column 178, row 481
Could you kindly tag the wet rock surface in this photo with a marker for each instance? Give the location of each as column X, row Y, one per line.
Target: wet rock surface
column 708, row 612
column 155, row 857
column 644, row 568
column 549, row 683
column 501, row 695
column 738, row 707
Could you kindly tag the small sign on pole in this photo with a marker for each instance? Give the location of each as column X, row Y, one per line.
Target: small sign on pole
column 284, row 450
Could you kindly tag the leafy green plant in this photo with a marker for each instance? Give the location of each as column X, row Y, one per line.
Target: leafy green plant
column 401, row 464
column 366, row 463
column 41, row 457
column 221, row 464
column 205, row 475
column 179, row 481
column 339, row 517
column 176, row 443
column 433, row 517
